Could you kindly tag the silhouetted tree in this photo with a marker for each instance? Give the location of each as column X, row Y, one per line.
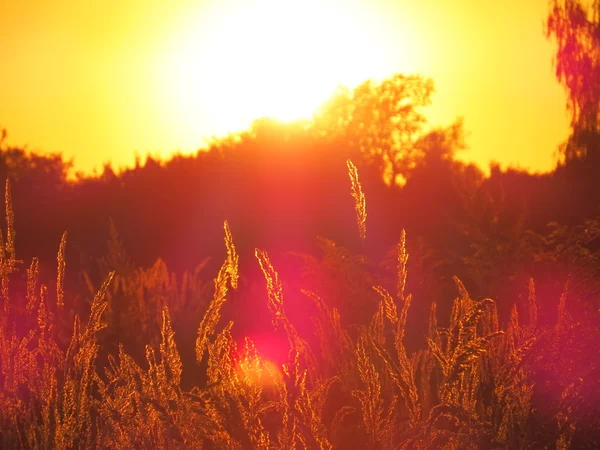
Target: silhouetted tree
column 576, row 29
column 383, row 120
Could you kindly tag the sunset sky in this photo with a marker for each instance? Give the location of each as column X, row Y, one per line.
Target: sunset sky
column 100, row 81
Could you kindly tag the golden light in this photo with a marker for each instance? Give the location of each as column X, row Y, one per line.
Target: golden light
column 99, row 81
column 276, row 58
column 256, row 370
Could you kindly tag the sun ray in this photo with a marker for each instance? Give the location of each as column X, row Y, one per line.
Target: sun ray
column 275, row 58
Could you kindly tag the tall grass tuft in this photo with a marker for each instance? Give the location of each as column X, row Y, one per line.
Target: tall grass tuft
column 60, row 277
column 232, row 257
column 360, row 203
column 276, row 305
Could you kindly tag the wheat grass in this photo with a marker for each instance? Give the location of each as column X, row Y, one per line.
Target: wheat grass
column 360, row 203
column 60, row 277
column 10, row 222
column 232, row 257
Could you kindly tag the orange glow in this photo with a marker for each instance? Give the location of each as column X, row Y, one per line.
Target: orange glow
column 256, row 370
column 101, row 81
column 265, row 374
column 274, row 58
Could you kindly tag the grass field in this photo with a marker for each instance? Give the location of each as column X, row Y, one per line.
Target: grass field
column 471, row 385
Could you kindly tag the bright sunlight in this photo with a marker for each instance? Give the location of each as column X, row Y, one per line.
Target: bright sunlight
column 271, row 58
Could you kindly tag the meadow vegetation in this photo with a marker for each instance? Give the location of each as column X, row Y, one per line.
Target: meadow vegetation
column 471, row 384
column 260, row 295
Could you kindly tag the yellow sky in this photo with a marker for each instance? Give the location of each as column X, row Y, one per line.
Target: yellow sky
column 101, row 80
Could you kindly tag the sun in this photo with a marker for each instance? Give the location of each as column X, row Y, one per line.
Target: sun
column 276, row 58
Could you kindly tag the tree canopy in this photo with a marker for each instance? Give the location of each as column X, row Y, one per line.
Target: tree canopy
column 575, row 27
column 383, row 120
